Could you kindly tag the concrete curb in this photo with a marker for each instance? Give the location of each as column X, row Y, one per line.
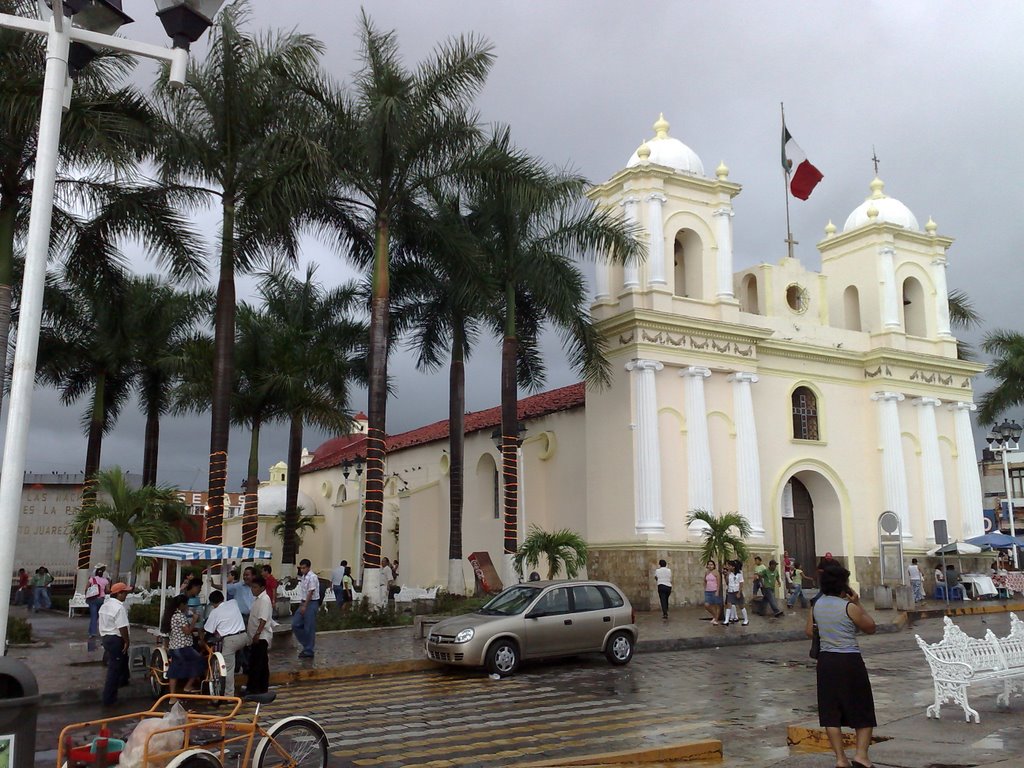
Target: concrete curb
column 812, row 738
column 740, row 638
column 708, row 749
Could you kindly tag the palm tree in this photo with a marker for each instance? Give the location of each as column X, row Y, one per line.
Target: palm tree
column 239, row 131
column 147, row 514
column 162, row 322
column 531, row 225
column 963, row 317
column 296, row 528
column 561, row 549
column 105, row 130
column 723, row 537
column 394, row 133
column 314, row 352
column 1007, row 370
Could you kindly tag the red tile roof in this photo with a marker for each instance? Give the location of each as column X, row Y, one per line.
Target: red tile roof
column 336, row 450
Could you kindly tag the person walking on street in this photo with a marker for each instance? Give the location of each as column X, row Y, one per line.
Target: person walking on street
column 916, row 580
column 225, row 621
column 734, row 594
column 769, row 580
column 260, row 631
column 663, row 578
column 347, row 589
column 337, row 583
column 797, row 578
column 712, row 602
column 758, row 570
column 41, row 589
column 304, row 620
column 844, row 689
column 112, row 620
column 271, row 582
column 22, row 594
column 96, row 590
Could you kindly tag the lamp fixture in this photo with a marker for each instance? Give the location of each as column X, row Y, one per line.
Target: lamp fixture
column 186, row 20
column 102, row 16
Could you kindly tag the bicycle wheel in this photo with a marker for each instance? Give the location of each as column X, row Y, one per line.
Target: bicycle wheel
column 293, row 742
column 215, row 680
column 157, row 672
column 195, row 758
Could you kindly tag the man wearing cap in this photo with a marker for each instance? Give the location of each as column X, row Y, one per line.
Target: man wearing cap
column 225, row 621
column 113, row 625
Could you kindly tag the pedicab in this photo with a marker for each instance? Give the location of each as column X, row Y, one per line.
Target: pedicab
column 159, row 660
column 186, row 731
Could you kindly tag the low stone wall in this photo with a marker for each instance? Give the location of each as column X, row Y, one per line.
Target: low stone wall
column 868, row 573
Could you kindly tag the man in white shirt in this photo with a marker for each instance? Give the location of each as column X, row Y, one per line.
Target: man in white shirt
column 261, row 632
column 225, row 621
column 113, row 627
column 663, row 578
column 304, row 620
column 916, row 580
column 337, row 583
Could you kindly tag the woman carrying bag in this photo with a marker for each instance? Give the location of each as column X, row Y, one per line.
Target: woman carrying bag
column 95, row 591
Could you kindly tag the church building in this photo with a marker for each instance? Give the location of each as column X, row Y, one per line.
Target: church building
column 809, row 402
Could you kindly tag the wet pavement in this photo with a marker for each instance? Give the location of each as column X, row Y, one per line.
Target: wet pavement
column 745, row 695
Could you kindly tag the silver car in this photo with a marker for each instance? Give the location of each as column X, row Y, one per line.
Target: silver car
column 538, row 619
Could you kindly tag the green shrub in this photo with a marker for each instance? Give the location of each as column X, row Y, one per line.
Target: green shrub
column 449, row 604
column 19, row 631
column 60, row 602
column 147, row 614
column 361, row 615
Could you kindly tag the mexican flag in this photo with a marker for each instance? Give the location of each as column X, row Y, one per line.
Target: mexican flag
column 803, row 177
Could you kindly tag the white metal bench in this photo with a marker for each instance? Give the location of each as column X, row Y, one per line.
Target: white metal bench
column 77, row 603
column 959, row 661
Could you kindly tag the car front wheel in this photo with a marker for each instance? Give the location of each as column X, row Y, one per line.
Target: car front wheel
column 619, row 649
column 503, row 658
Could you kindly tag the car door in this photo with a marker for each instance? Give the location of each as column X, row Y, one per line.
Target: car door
column 592, row 618
column 550, row 629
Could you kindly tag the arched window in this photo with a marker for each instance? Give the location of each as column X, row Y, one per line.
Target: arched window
column 489, row 483
column 851, row 308
column 748, row 295
column 913, row 308
column 805, row 414
column 689, row 266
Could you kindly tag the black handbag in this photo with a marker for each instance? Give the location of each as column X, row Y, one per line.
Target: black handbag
column 815, row 642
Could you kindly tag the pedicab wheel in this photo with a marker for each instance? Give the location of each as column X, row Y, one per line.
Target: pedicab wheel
column 195, row 758
column 296, row 742
column 157, row 672
column 619, row 649
column 216, row 681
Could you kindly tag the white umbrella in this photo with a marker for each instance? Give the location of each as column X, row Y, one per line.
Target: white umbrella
column 955, row 548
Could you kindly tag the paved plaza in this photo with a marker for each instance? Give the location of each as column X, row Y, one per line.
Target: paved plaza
column 745, row 695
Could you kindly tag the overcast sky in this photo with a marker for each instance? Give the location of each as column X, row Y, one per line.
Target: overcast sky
column 932, row 86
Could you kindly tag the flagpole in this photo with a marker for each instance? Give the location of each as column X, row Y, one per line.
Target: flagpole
column 785, row 183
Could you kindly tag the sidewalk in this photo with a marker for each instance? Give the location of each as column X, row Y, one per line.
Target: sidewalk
column 70, row 669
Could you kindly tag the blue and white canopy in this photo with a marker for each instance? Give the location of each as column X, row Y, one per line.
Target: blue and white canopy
column 186, row 551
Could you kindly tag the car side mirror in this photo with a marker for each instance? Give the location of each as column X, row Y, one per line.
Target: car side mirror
column 534, row 614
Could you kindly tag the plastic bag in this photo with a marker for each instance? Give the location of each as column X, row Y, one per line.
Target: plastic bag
column 134, row 749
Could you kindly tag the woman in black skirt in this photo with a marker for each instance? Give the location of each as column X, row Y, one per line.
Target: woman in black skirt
column 844, row 691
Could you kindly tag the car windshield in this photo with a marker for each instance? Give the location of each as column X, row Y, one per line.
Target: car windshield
column 510, row 602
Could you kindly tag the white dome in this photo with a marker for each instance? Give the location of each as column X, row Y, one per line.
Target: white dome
column 879, row 207
column 272, row 500
column 664, row 150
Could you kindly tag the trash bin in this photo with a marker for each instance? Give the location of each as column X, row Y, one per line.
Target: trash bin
column 883, row 598
column 19, row 706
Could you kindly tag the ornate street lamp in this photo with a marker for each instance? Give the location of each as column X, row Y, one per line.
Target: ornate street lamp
column 1000, row 438
column 186, row 20
column 346, row 467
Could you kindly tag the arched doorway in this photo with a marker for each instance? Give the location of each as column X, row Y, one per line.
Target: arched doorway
column 798, row 526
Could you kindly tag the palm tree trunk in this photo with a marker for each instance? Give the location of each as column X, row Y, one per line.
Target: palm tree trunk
column 250, row 515
column 510, row 424
column 377, row 417
column 7, row 214
column 92, row 464
column 152, row 447
column 223, row 377
column 456, row 443
column 289, row 548
column 117, row 556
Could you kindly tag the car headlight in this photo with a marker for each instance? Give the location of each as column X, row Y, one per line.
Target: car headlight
column 465, row 636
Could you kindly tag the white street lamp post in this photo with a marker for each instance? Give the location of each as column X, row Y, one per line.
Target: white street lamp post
column 61, row 34
column 1000, row 439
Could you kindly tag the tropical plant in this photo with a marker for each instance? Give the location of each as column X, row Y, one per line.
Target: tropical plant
column 963, row 317
column 147, row 514
column 315, row 351
column 162, row 324
column 563, row 549
column 293, row 526
column 723, row 537
column 396, row 131
column 240, row 132
column 532, row 224
column 1007, row 371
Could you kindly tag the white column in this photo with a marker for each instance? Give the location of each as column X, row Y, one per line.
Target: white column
column 894, row 474
column 748, row 463
column 723, row 225
column 941, row 297
column 647, row 450
column 972, row 517
column 933, row 486
column 631, row 271
column 698, row 446
column 656, row 239
column 890, row 294
column 602, row 280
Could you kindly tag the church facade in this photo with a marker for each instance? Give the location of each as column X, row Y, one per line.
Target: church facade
column 809, row 402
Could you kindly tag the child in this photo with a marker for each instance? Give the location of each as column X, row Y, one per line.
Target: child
column 797, row 580
column 734, row 594
column 711, row 599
